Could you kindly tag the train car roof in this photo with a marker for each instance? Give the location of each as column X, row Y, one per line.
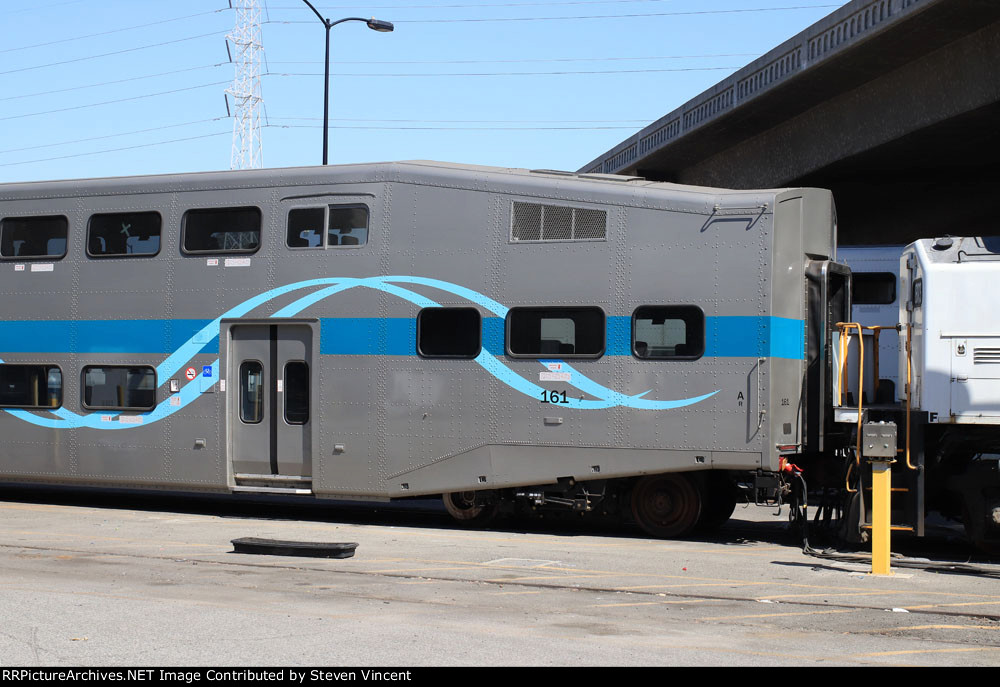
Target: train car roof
column 456, row 175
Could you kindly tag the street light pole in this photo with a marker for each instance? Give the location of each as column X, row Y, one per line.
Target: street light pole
column 373, row 24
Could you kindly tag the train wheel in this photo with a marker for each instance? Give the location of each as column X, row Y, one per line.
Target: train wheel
column 666, row 505
column 472, row 507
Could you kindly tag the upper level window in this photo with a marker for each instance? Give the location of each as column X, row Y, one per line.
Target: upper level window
column 668, row 332
column 30, row 386
column 327, row 227
column 541, row 332
column 118, row 387
column 873, row 288
column 222, row 230
column 449, row 333
column 124, row 233
column 33, row 237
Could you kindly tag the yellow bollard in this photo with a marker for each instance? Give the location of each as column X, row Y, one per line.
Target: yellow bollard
column 881, row 490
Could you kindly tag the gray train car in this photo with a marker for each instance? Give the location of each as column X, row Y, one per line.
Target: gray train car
column 383, row 331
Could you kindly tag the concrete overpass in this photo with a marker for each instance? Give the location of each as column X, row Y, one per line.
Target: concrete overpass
column 892, row 104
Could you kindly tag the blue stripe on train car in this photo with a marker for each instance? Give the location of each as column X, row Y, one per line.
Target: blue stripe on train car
column 728, row 336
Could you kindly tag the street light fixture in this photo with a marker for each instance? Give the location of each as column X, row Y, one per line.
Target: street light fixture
column 373, row 24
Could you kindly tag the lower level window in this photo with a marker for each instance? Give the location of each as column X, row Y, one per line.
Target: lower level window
column 119, row 387
column 556, row 332
column 668, row 332
column 30, row 386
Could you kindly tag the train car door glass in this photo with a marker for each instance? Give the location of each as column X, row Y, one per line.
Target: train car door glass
column 251, row 392
column 296, row 389
column 270, row 421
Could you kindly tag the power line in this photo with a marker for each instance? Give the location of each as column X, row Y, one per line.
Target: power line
column 455, row 128
column 471, row 121
column 535, row 60
column 115, row 150
column 477, row 6
column 105, row 33
column 562, row 73
column 440, row 7
column 591, row 16
column 274, row 126
column 109, row 83
column 111, row 102
column 118, row 135
column 117, row 52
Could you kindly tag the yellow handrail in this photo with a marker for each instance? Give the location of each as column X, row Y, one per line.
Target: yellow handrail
column 842, row 372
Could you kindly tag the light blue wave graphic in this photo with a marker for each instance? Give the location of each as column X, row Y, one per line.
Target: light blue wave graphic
column 603, row 396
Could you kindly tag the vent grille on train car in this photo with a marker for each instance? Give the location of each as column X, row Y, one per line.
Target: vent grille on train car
column 536, row 222
column 984, row 356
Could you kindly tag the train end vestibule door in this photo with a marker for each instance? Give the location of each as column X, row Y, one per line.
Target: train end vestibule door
column 270, row 418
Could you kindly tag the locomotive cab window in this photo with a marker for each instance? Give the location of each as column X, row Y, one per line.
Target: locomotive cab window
column 333, row 226
column 124, row 234
column 119, row 387
column 30, row 386
column 668, row 332
column 873, row 288
column 571, row 332
column 33, row 237
column 449, row 333
column 221, row 230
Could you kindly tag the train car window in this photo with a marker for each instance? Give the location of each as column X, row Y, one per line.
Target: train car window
column 570, row 332
column 251, row 392
column 449, row 333
column 296, row 392
column 30, row 386
column 305, row 228
column 119, row 387
column 917, row 297
column 873, row 288
column 33, row 237
column 124, row 234
column 668, row 332
column 221, row 230
column 348, row 225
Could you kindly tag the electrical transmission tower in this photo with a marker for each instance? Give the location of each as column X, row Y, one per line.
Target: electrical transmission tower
column 247, row 150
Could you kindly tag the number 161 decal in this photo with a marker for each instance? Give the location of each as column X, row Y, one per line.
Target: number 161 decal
column 554, row 396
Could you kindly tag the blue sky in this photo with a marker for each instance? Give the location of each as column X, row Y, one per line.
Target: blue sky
column 121, row 87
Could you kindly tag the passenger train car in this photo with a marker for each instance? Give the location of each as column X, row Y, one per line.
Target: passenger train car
column 390, row 330
column 499, row 337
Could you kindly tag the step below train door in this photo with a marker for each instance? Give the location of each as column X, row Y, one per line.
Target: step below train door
column 269, row 404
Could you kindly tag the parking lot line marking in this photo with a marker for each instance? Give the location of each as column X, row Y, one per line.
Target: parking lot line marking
column 660, row 603
column 512, row 593
column 825, row 595
column 964, row 603
column 936, row 627
column 778, row 615
column 902, row 652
